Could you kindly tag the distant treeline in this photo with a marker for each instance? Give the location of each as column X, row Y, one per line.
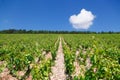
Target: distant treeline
column 23, row 31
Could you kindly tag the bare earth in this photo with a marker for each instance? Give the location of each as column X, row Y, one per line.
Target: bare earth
column 77, row 66
column 6, row 76
column 58, row 70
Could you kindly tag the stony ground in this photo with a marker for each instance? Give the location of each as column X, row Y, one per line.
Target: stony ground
column 58, row 70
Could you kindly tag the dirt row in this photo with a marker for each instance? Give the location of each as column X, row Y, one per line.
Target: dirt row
column 58, row 70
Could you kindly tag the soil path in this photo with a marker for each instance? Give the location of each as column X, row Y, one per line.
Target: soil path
column 58, row 70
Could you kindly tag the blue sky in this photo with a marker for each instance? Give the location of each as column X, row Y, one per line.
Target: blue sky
column 55, row 14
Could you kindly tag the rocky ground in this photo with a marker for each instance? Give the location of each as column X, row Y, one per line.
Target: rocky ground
column 58, row 70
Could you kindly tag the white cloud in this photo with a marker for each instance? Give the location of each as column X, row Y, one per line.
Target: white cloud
column 83, row 20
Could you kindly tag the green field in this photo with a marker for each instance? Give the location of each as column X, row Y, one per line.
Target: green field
column 86, row 56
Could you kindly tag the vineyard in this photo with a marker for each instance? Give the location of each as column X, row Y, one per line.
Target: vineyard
column 59, row 57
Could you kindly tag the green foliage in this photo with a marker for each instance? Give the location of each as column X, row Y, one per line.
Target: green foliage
column 103, row 51
column 69, row 60
column 20, row 51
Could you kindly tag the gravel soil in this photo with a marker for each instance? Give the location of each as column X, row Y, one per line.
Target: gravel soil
column 58, row 70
